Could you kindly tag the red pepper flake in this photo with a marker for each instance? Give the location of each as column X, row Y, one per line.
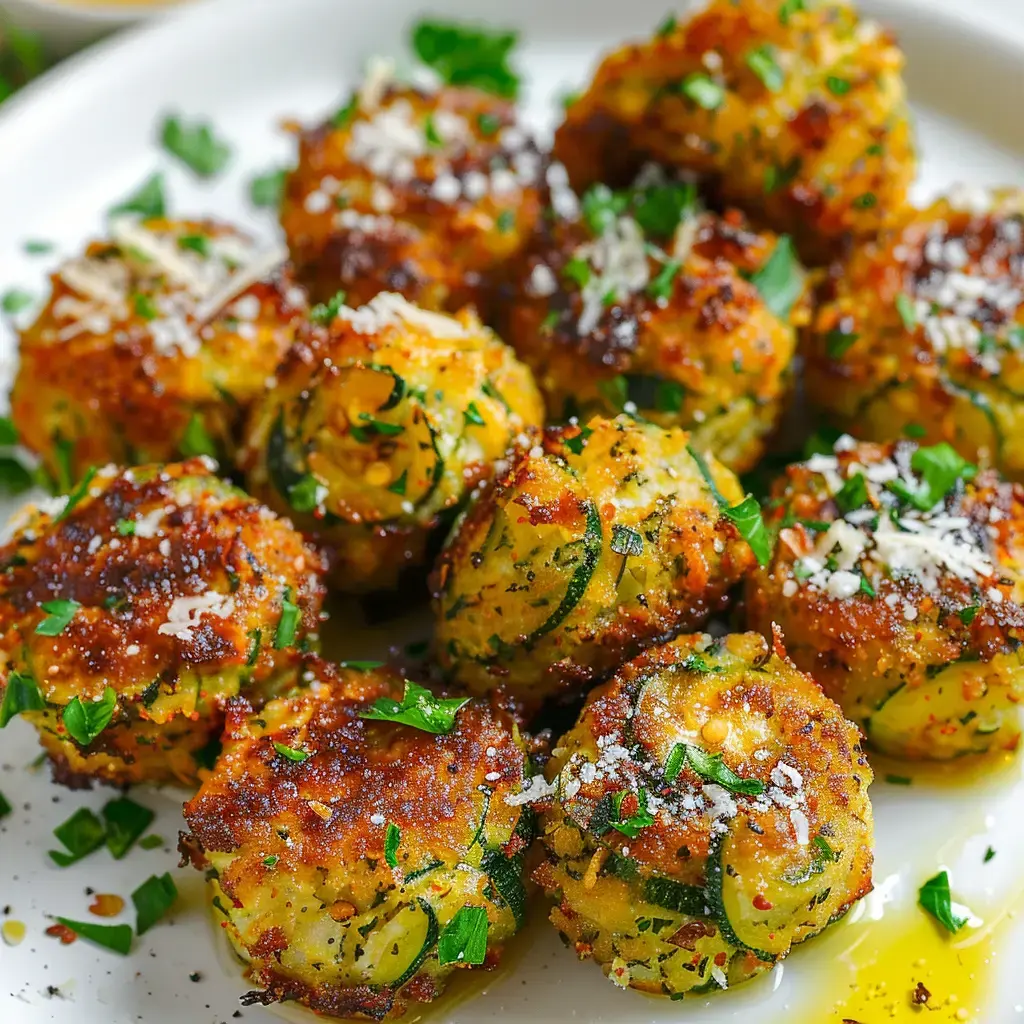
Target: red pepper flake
column 721, row 959
column 760, row 903
column 62, row 932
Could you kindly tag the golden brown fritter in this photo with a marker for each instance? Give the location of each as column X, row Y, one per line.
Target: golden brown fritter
column 708, row 811
column 152, row 346
column 795, row 112
column 591, row 545
column 381, row 420
column 131, row 610
column 420, row 192
column 922, row 333
column 646, row 303
column 897, row 583
column 348, row 856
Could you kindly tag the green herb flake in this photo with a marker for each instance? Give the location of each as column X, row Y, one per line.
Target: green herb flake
column 967, row 615
column 419, row 708
column 578, row 441
column 431, row 133
column 489, row 124
column 915, row 431
column 578, row 271
column 763, row 63
column 838, row 86
column 115, row 937
column 38, row 247
column 84, row 721
column 838, row 343
column 8, row 431
column 468, row 55
column 196, row 146
column 80, row 835
column 291, row 753
column 125, row 822
column 271, row 860
column 400, row 485
column 989, row 854
column 780, row 281
column 125, row 527
column 788, row 8
column 199, row 244
column 58, row 617
column 899, row 780
column 463, row 939
column 906, row 310
column 471, row 416
column 853, row 494
column 21, row 694
column 865, row 201
column 866, row 587
column 326, row 312
column 705, row 92
column 667, row 27
column 284, row 635
column 934, row 897
column 15, row 300
column 152, row 900
column 392, row 837
column 341, row 118
column 661, row 285
column 5, row 806
column 76, row 495
column 506, row 221
column 196, row 440
column 941, row 467
column 659, row 209
column 627, row 541
column 712, row 768
column 637, row 820
column 779, row 176
column 148, row 202
column 361, row 666
column 267, row 190
column 303, row 496
column 151, row 842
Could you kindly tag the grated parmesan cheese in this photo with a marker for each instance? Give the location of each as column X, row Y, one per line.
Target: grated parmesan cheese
column 185, row 612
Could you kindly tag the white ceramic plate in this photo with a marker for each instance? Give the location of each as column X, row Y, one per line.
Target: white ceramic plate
column 83, row 138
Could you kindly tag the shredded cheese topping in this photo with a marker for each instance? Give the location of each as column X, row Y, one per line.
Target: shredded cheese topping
column 389, row 309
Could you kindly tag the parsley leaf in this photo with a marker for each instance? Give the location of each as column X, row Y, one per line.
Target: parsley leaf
column 116, row 937
column 266, row 190
column 148, row 202
column 578, row 442
column 710, row 767
column 291, row 753
column 196, row 440
column 152, row 900
column 660, row 287
column 838, row 343
column 76, row 495
column 702, row 90
column 326, row 312
column 906, row 310
column 303, row 495
column 853, row 494
column 125, row 822
column 941, row 467
column 601, row 206
column 637, row 820
column 935, row 898
column 762, row 62
column 471, row 416
column 780, row 281
column 284, row 635
column 21, row 694
column 15, row 300
column 80, row 835
column 196, row 146
column 392, row 837
column 418, row 708
column 85, row 720
column 467, row 55
column 361, row 666
column 463, row 939
column 58, row 616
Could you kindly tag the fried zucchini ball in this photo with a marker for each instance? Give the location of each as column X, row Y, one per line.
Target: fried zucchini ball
column 382, row 419
column 923, row 333
column 132, row 609
column 709, row 810
column 649, row 304
column 152, row 346
column 415, row 191
column 897, row 584
column 795, row 112
column 357, row 863
column 592, row 544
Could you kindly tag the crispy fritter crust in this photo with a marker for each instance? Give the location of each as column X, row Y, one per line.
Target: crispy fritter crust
column 591, row 545
column 818, row 145
column 391, row 415
column 717, row 881
column 950, row 365
column 182, row 582
column 423, row 193
column 926, row 672
column 297, row 847
column 136, row 372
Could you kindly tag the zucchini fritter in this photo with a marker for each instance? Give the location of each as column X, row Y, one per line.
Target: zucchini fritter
column 381, row 420
column 647, row 304
column 795, row 112
column 709, row 811
column 131, row 610
column 923, row 332
column 349, row 856
column 152, row 346
column 593, row 543
column 420, row 192
column 897, row 583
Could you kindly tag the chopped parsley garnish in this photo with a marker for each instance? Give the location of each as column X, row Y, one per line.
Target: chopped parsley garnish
column 85, row 720
column 667, row 27
column 325, row 313
column 638, row 819
column 266, row 190
column 489, row 124
column 989, row 854
column 400, row 485
column 695, row 662
column 58, row 617
column 935, row 898
column 76, row 495
column 578, row 442
column 702, row 90
column 866, row 587
column 373, row 427
column 838, row 343
column 284, row 635
column 291, row 753
column 5, row 806
column 780, row 280
column 430, row 132
column 506, row 221
column 746, row 516
column 659, row 209
column 788, row 8
column 151, row 842
column 899, row 780
column 762, row 62
column 660, row 287
column 941, row 467
column 115, row 937
column 199, row 244
column 38, row 247
column 392, row 837
column 125, row 822
column 152, row 900
column 914, row 430
column 906, row 310
column 21, row 694
column 303, row 495
column 669, row 396
column 8, row 431
column 471, row 416
column 15, row 300
column 853, row 494
column 865, row 201
column 361, row 666
column 418, row 708
column 125, row 527
column 601, row 206
column 967, row 615
column 147, row 202
column 271, row 860
column 578, row 271
column 468, row 55
column 710, row 767
column 80, row 835
column 779, row 176
column 344, row 114
column 196, row 146
column 256, row 636
column 463, row 939
column 838, row 86
column 196, row 440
